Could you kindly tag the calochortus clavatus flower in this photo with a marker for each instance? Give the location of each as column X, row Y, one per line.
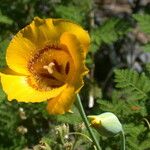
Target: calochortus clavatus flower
column 107, row 124
column 46, row 62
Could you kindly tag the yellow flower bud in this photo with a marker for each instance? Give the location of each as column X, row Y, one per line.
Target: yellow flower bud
column 107, row 124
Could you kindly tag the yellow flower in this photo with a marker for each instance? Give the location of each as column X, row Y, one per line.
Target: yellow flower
column 46, row 63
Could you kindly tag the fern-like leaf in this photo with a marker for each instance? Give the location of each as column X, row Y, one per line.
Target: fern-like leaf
column 113, row 29
column 110, row 31
column 143, row 22
column 70, row 12
column 135, row 86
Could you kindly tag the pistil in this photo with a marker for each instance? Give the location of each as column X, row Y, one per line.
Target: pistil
column 49, row 67
column 52, row 71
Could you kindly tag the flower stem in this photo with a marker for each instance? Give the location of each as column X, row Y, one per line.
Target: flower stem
column 81, row 134
column 122, row 140
column 83, row 115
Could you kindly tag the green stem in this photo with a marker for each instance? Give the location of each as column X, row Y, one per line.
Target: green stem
column 122, row 140
column 78, row 133
column 81, row 110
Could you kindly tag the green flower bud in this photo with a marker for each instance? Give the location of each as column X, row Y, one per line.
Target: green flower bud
column 107, row 124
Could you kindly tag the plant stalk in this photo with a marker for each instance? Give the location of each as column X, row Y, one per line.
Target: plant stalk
column 122, row 140
column 83, row 115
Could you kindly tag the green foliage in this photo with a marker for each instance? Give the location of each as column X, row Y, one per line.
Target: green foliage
column 9, row 121
column 5, row 19
column 74, row 12
column 70, row 12
column 134, row 85
column 146, row 48
column 111, row 30
column 2, row 95
column 3, row 46
column 70, row 117
column 135, row 135
column 143, row 22
column 148, row 69
column 128, row 103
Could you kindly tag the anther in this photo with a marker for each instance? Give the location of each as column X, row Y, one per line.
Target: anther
column 49, row 67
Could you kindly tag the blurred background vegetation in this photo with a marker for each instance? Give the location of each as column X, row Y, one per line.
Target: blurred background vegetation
column 119, row 78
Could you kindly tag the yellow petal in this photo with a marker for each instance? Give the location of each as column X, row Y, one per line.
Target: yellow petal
column 29, row 41
column 62, row 103
column 18, row 54
column 42, row 31
column 62, row 25
column 77, row 54
column 17, row 87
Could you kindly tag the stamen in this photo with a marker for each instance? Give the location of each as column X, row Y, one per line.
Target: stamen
column 49, row 68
